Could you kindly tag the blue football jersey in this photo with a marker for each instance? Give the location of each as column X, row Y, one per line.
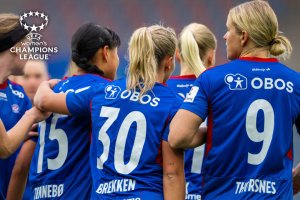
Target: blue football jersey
column 192, row 157
column 252, row 104
column 60, row 165
column 127, row 134
column 13, row 103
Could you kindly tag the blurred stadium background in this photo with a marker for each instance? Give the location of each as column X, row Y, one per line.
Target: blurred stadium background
column 124, row 16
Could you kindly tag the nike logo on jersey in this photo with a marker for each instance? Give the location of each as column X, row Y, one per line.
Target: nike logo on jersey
column 120, row 185
column 240, row 82
column 76, row 91
column 256, row 185
column 82, row 89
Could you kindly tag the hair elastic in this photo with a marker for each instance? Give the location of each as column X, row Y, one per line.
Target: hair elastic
column 9, row 39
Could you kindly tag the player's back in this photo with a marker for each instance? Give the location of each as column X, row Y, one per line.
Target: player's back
column 13, row 103
column 127, row 138
column 60, row 166
column 192, row 157
column 253, row 104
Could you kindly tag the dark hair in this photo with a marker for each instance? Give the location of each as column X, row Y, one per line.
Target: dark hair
column 87, row 40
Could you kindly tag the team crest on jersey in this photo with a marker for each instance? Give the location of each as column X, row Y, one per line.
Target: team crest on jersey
column 236, row 81
column 15, row 108
column 112, row 92
column 192, row 94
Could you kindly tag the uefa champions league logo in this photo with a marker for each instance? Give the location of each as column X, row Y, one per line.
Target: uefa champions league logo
column 34, row 28
column 34, row 48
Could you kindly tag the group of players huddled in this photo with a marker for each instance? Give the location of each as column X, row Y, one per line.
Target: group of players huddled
column 221, row 132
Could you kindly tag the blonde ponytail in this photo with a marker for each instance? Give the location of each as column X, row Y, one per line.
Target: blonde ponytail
column 142, row 66
column 195, row 41
column 190, row 52
column 147, row 48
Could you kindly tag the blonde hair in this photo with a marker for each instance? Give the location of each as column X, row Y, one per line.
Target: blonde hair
column 148, row 46
column 194, row 42
column 258, row 19
column 8, row 22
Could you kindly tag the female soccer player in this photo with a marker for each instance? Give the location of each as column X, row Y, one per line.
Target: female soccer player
column 252, row 103
column 13, row 101
column 196, row 44
column 130, row 155
column 60, row 164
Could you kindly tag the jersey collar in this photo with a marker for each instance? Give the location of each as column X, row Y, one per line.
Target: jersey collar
column 257, row 59
column 3, row 85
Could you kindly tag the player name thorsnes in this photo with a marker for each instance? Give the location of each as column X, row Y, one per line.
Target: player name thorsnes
column 256, row 185
column 120, row 185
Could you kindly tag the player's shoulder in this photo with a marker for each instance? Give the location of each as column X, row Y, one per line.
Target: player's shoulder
column 165, row 93
column 88, row 78
column 17, row 89
column 78, row 81
column 15, row 85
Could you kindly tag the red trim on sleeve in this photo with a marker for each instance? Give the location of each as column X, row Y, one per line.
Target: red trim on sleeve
column 208, row 145
column 256, row 59
column 289, row 154
column 159, row 158
column 4, row 85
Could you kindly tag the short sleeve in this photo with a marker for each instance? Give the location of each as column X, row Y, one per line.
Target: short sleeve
column 196, row 100
column 172, row 113
column 78, row 102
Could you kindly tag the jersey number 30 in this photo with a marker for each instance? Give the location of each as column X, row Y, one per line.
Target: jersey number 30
column 133, row 117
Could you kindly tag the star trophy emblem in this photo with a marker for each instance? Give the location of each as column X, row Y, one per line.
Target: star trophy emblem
column 33, row 35
column 34, row 48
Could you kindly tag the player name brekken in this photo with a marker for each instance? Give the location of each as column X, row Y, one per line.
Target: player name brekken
column 120, row 185
column 256, row 185
column 270, row 83
column 48, row 191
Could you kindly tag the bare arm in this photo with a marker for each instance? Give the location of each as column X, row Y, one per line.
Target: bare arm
column 296, row 179
column 20, row 171
column 45, row 99
column 9, row 142
column 173, row 173
column 184, row 130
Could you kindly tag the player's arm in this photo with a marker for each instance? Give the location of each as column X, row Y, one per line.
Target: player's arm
column 184, row 130
column 20, row 171
column 9, row 142
column 47, row 100
column 296, row 179
column 173, row 173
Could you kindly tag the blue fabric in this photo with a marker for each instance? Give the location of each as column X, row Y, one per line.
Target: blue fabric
column 126, row 138
column 251, row 106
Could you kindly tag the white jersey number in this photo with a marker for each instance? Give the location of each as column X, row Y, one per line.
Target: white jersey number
column 133, row 117
column 54, row 134
column 197, row 159
column 266, row 135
